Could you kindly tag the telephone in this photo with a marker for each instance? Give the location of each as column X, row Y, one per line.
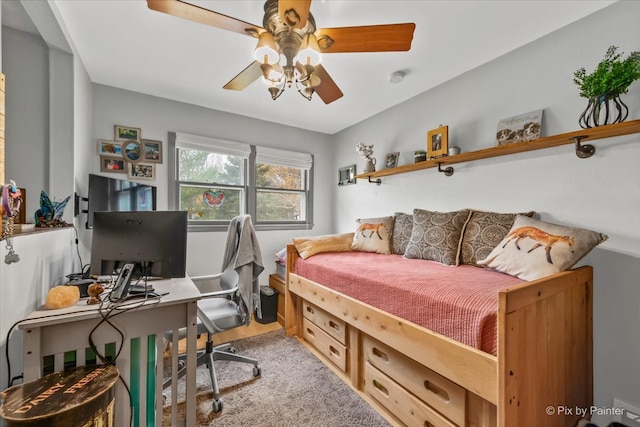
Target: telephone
column 121, row 288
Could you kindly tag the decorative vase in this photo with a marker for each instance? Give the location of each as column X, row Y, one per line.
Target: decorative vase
column 370, row 165
column 603, row 110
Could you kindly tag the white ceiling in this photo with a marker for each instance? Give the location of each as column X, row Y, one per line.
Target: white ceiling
column 124, row 44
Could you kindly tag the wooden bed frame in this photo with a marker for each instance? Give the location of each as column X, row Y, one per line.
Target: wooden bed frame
column 543, row 369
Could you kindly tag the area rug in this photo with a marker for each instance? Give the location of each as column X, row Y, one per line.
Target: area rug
column 294, row 390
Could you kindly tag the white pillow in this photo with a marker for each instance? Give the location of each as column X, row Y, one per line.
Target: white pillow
column 533, row 249
column 373, row 235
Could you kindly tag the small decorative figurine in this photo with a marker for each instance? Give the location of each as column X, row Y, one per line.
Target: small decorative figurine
column 50, row 213
column 94, row 291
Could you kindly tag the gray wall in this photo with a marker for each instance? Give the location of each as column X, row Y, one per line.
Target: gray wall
column 48, row 112
column 156, row 117
column 26, row 67
column 598, row 193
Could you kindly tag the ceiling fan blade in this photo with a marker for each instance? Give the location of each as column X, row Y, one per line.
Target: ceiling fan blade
column 199, row 14
column 370, row 38
column 294, row 12
column 245, row 77
column 328, row 90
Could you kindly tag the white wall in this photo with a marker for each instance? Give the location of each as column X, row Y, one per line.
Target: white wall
column 598, row 193
column 45, row 259
column 156, row 117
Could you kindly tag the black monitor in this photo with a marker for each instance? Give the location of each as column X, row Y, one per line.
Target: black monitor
column 156, row 241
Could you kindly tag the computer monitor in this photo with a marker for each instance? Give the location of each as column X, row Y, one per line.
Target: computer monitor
column 155, row 241
column 118, row 195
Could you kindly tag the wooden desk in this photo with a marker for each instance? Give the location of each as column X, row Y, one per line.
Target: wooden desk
column 58, row 332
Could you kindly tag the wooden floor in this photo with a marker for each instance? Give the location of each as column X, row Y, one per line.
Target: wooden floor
column 252, row 330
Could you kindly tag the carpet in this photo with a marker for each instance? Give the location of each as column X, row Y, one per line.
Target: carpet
column 294, row 390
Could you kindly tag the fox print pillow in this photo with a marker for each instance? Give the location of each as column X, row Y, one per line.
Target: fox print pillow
column 373, row 235
column 533, row 249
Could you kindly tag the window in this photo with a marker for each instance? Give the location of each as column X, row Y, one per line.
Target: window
column 215, row 180
column 281, row 185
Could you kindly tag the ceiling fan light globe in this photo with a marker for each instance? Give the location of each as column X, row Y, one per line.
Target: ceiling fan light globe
column 266, row 51
column 309, row 51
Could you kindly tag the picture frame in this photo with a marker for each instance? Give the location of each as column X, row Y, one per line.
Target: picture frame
column 112, row 164
column 151, row 151
column 521, row 128
column 391, row 160
column 109, row 148
column 145, row 171
column 132, row 152
column 126, row 133
column 347, row 175
column 438, row 142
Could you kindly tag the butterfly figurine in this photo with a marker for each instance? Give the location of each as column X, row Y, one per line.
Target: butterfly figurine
column 49, row 210
column 214, row 198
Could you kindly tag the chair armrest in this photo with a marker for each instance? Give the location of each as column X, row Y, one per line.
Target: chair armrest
column 219, row 293
column 206, row 277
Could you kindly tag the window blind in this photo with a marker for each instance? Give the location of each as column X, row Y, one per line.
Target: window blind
column 275, row 156
column 213, row 145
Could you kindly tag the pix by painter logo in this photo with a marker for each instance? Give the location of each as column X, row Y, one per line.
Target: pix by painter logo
column 564, row 410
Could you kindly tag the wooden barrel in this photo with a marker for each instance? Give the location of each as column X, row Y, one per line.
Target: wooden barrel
column 81, row 397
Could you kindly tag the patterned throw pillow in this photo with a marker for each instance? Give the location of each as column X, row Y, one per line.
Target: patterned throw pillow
column 402, row 227
column 483, row 232
column 309, row 246
column 436, row 235
column 373, row 235
column 533, row 249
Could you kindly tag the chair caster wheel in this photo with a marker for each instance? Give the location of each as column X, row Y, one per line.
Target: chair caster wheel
column 217, row 405
column 232, row 350
column 257, row 371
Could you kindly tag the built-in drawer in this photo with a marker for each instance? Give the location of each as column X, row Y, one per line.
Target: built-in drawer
column 329, row 323
column 399, row 402
column 332, row 349
column 438, row 392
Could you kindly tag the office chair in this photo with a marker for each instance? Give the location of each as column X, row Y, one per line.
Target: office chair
column 230, row 307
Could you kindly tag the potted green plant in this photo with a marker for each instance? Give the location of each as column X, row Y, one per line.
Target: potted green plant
column 603, row 87
column 419, row 156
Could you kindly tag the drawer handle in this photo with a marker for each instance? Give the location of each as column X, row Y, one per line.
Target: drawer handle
column 333, row 350
column 382, row 389
column 334, row 325
column 310, row 332
column 438, row 391
column 310, row 310
column 380, row 354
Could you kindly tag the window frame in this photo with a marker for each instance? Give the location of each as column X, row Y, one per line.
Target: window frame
column 249, row 187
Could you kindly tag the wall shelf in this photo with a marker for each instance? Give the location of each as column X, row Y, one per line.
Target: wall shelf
column 577, row 138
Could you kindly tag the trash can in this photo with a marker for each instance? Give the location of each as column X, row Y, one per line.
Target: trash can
column 81, row 397
column 269, row 304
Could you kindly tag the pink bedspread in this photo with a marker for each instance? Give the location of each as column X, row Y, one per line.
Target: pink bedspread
column 458, row 302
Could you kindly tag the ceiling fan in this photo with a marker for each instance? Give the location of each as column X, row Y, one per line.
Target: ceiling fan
column 289, row 45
